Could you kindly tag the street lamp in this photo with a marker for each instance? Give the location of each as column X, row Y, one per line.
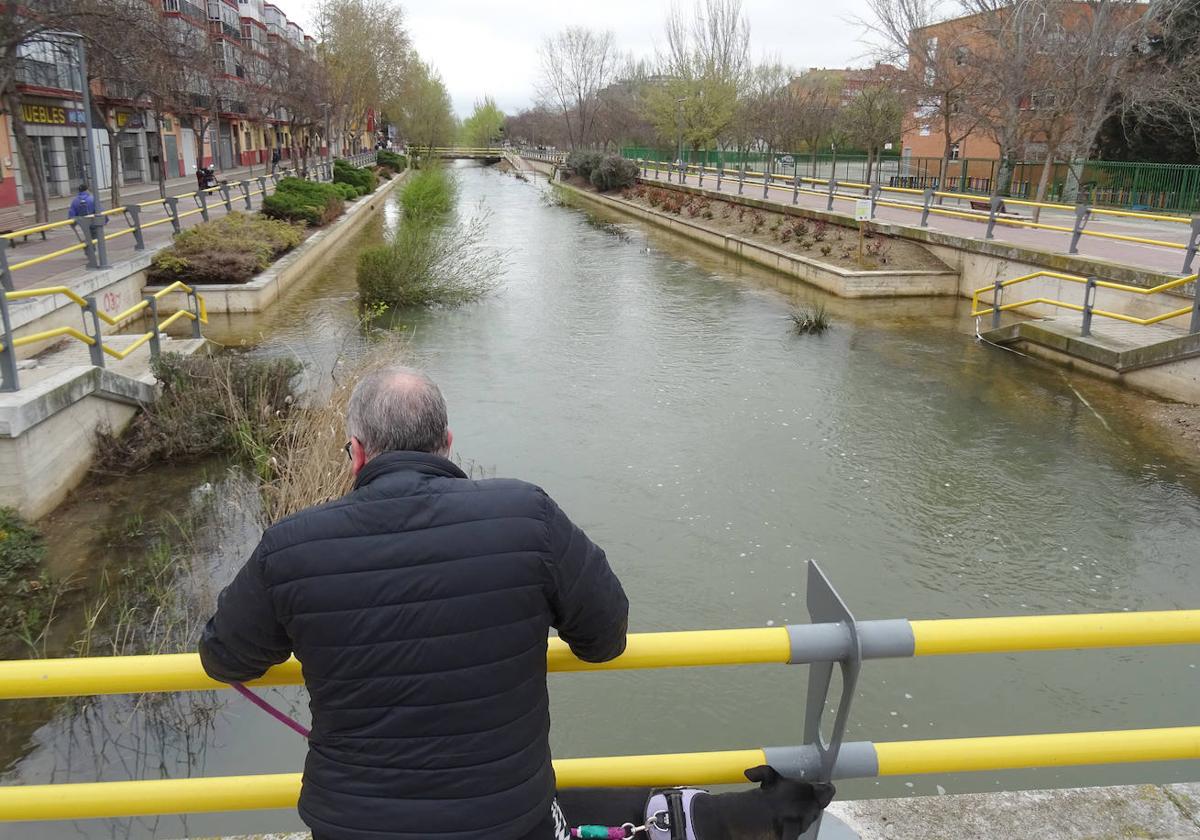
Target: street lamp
column 679, row 128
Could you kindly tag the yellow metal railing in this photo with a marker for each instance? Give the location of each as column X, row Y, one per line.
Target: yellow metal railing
column 1088, row 307
column 803, row 185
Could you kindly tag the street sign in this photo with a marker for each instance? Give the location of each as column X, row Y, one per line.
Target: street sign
column 862, row 210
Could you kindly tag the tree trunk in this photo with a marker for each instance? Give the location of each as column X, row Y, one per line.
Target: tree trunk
column 162, row 155
column 870, row 159
column 1043, row 182
column 114, row 183
column 30, row 161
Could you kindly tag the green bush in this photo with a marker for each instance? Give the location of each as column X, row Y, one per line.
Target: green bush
column 613, row 173
column 361, row 178
column 311, row 202
column 347, row 190
column 391, row 160
column 231, row 249
column 583, row 163
column 429, row 195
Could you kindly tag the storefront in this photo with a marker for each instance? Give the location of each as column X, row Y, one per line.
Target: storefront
column 56, row 129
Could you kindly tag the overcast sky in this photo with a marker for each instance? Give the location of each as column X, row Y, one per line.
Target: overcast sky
column 490, row 46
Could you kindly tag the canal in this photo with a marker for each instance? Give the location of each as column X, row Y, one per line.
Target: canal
column 656, row 390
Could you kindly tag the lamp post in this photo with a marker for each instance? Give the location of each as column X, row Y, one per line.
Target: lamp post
column 679, row 128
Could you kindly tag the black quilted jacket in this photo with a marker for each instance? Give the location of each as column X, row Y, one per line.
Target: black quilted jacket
column 419, row 606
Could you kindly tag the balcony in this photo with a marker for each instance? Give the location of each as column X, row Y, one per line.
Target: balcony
column 183, row 7
column 35, row 73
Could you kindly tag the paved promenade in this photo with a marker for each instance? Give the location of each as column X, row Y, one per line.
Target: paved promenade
column 1166, row 260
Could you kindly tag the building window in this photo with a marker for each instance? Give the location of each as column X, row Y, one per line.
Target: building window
column 961, row 55
column 925, row 131
column 954, row 151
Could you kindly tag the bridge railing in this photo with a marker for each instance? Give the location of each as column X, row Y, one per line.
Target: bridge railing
column 835, row 638
column 92, row 240
column 926, row 202
column 1087, row 306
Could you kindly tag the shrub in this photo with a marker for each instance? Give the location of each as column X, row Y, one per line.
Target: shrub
column 656, row 197
column 429, row 195
column 349, row 193
column 362, row 179
column 24, row 591
column 583, row 163
column 819, row 231
column 391, row 160
column 297, row 200
column 228, row 250
column 810, row 318
column 613, row 172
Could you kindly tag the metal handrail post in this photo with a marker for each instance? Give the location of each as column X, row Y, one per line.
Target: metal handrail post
column 670, row 172
column 155, row 344
column 133, row 216
column 701, row 181
column 1089, row 303
column 225, row 195
column 1195, row 325
column 766, row 181
column 195, row 301
column 874, row 193
column 8, row 353
column 262, row 185
column 172, row 205
column 97, row 348
column 657, row 169
column 742, row 177
column 796, row 186
column 997, row 293
column 1190, row 256
column 993, row 209
column 202, row 200
column 832, row 192
column 89, row 248
column 682, row 171
column 1082, row 213
column 96, row 226
column 720, row 174
column 926, row 203
column 645, row 167
column 245, row 185
column 6, row 281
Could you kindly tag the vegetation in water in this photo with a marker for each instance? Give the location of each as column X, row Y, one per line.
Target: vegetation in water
column 27, row 593
column 430, row 258
column 231, row 249
column 810, row 318
column 309, row 202
column 226, row 404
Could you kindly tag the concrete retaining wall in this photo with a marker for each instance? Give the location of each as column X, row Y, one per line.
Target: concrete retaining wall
column 838, row 281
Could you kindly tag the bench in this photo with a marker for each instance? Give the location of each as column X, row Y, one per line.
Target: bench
column 986, row 207
column 11, row 218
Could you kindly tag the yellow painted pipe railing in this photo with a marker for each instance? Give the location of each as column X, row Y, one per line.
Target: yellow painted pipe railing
column 683, row 649
column 96, row 800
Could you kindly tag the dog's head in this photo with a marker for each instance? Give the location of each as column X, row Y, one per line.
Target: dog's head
column 794, row 805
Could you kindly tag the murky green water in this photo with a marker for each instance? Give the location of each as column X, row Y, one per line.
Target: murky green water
column 656, row 391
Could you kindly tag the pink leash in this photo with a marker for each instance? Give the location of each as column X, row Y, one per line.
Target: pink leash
column 269, row 709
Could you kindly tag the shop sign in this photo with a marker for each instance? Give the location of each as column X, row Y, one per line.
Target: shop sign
column 125, row 119
column 44, row 113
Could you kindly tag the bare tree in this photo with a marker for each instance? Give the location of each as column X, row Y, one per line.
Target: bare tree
column 872, row 118
column 576, row 64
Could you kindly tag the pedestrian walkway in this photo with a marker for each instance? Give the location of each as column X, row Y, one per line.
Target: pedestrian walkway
column 906, row 210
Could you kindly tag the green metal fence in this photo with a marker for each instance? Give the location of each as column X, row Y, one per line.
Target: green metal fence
column 1171, row 187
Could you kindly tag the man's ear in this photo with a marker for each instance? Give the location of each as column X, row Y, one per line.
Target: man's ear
column 764, row 774
column 823, row 792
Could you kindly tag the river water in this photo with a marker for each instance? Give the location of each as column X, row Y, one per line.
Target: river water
column 655, row 389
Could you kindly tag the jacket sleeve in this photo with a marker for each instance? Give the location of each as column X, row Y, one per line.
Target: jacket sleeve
column 244, row 638
column 590, row 609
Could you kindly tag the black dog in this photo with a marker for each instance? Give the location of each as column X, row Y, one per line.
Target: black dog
column 781, row 809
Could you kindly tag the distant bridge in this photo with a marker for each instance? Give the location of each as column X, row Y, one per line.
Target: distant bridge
column 462, row 152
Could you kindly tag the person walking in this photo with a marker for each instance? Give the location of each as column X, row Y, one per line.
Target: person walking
column 419, row 606
column 274, row 159
column 83, row 204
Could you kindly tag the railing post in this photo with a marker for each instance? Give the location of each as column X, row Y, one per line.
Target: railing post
column 155, row 345
column 720, row 173
column 8, row 353
column 6, row 283
column 171, row 203
column 993, row 209
column 832, row 191
column 224, row 189
column 262, row 186
column 766, row 181
column 246, row 192
column 96, row 226
column 1089, row 303
column 195, row 301
column 874, row 199
column 796, row 186
column 133, row 215
column 1191, row 248
column 202, row 200
column 670, row 172
column 701, row 181
column 83, row 232
column 926, row 202
column 97, row 348
column 682, row 171
column 1082, row 212
column 997, row 293
column 742, row 177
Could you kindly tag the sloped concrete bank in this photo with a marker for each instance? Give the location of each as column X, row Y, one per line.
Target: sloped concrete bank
column 839, row 281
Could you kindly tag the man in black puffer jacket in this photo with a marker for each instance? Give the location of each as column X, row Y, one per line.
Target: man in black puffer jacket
column 419, row 606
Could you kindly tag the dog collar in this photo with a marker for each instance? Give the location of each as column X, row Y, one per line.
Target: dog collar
column 656, row 805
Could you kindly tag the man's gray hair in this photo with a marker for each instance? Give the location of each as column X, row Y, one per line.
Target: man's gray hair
column 398, row 409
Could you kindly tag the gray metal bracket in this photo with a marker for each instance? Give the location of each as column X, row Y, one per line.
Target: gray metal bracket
column 825, row 605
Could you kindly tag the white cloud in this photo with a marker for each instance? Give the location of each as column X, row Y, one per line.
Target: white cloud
column 488, row 47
